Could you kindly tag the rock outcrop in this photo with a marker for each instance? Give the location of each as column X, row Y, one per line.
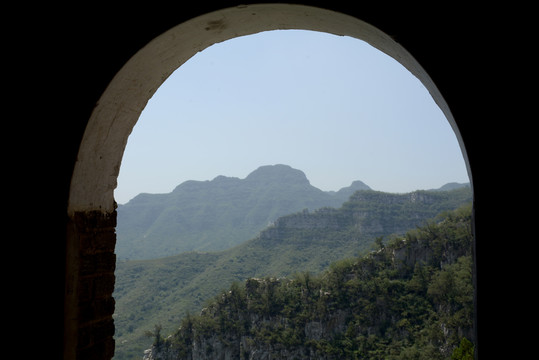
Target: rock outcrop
column 413, row 294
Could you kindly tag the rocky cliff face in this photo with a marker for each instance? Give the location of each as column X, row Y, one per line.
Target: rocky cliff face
column 371, row 213
column 411, row 296
column 233, row 346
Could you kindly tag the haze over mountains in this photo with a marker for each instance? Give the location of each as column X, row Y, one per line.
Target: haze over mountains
column 161, row 291
column 217, row 214
column 221, row 213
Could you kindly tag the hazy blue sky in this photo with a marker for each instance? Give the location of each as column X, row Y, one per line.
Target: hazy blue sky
column 333, row 107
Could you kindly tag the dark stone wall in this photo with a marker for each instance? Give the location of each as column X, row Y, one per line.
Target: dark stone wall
column 62, row 58
column 92, row 284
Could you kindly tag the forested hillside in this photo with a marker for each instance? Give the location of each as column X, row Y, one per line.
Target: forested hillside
column 161, row 291
column 411, row 298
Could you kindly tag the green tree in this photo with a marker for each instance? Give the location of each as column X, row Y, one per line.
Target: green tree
column 155, row 334
column 464, row 351
column 379, row 243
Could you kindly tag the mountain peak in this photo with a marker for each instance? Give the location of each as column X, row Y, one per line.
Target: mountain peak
column 279, row 172
column 452, row 186
column 359, row 185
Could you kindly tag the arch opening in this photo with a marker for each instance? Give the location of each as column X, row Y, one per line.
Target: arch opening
column 105, row 138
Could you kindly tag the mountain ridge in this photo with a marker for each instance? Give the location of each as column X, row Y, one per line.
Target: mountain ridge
column 217, row 214
column 410, row 298
column 278, row 172
column 147, row 292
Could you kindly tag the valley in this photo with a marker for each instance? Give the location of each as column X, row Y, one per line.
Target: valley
column 309, row 239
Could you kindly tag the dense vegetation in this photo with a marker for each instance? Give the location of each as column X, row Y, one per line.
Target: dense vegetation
column 163, row 290
column 412, row 298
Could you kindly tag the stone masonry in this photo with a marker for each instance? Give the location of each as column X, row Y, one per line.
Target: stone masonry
column 92, row 326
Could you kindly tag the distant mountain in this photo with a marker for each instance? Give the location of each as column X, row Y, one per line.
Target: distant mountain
column 452, row 186
column 160, row 291
column 217, row 214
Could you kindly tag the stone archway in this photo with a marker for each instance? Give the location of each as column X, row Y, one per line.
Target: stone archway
column 90, row 265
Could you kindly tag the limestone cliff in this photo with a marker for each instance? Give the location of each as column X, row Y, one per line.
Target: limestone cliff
column 412, row 296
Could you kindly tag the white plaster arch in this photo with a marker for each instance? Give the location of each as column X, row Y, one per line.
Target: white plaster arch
column 117, row 111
